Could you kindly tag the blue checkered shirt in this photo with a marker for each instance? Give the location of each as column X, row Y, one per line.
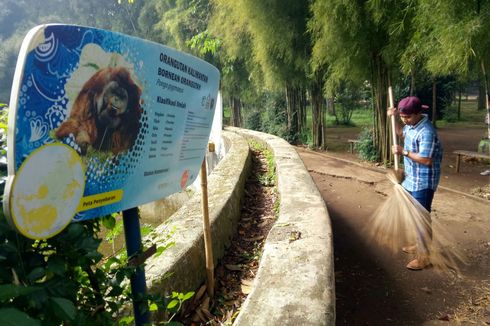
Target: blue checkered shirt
column 422, row 139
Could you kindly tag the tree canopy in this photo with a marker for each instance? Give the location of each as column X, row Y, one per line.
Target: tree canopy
column 307, row 50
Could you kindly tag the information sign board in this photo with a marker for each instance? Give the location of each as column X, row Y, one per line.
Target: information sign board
column 100, row 122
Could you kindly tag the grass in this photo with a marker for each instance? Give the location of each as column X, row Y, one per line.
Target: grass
column 267, row 179
column 470, row 116
column 363, row 117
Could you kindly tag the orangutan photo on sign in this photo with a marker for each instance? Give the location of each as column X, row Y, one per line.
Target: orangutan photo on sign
column 105, row 114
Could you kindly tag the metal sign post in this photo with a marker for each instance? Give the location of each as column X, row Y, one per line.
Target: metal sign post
column 132, row 233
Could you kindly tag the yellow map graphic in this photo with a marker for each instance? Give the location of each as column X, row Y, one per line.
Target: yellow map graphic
column 45, row 199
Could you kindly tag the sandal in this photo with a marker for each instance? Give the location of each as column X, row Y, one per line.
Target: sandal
column 418, row 264
column 412, row 249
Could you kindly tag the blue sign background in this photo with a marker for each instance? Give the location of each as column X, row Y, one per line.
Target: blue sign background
column 176, row 108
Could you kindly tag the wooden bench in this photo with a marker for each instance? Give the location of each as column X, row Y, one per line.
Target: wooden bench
column 352, row 142
column 460, row 153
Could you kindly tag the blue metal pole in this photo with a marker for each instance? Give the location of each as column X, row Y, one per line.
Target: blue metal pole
column 132, row 232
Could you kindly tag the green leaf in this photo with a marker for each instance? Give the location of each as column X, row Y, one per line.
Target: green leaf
column 153, row 307
column 161, row 249
column 56, row 265
column 109, row 222
column 188, row 295
column 172, row 304
column 128, row 320
column 36, row 273
column 146, row 229
column 64, row 308
column 12, row 291
column 110, row 261
column 73, row 231
column 115, row 291
column 115, row 232
column 15, row 317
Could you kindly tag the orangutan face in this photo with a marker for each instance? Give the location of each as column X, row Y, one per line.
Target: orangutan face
column 111, row 105
column 105, row 115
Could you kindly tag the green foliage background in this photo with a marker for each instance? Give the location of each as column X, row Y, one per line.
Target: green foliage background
column 270, row 54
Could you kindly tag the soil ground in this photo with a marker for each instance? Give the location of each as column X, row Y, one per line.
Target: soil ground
column 373, row 287
column 236, row 271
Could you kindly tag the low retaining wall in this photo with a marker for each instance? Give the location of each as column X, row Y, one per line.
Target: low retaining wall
column 185, row 261
column 295, row 281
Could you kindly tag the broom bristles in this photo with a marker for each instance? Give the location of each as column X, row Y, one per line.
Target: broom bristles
column 401, row 220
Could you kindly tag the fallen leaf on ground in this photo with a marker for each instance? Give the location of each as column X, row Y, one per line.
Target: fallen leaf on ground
column 426, row 290
column 200, row 293
column 268, row 217
column 246, row 289
column 257, row 238
column 263, row 224
column 294, row 235
column 233, row 267
column 247, row 281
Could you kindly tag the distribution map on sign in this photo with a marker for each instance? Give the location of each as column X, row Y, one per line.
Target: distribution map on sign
column 101, row 122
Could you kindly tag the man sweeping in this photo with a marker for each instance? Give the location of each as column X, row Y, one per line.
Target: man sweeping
column 422, row 153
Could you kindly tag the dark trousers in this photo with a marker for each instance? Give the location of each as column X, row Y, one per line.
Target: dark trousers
column 424, row 197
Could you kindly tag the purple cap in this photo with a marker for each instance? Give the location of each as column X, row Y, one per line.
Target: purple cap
column 411, row 105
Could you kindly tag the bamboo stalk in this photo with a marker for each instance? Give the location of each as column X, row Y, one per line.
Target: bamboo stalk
column 207, row 230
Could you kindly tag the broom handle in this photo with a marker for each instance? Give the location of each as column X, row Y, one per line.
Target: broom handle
column 393, row 125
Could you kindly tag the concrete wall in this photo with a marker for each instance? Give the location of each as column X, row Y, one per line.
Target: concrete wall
column 185, row 261
column 295, row 281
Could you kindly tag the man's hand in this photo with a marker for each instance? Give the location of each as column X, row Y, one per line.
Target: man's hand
column 397, row 149
column 392, row 111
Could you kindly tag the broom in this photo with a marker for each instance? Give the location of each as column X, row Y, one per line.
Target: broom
column 402, row 220
column 398, row 172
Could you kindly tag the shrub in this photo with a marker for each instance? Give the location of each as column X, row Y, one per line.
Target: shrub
column 348, row 98
column 253, row 119
column 450, row 114
column 365, row 147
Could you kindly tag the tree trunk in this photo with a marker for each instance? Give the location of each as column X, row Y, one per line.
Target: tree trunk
column 481, row 93
column 487, row 97
column 381, row 139
column 236, row 112
column 412, row 82
column 331, row 108
column 434, row 101
column 292, row 104
column 459, row 102
column 302, row 110
column 323, row 119
column 317, row 114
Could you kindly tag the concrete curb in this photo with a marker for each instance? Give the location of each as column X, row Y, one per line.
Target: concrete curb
column 295, row 283
column 182, row 267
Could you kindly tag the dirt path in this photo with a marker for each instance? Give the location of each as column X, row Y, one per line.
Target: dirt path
column 373, row 287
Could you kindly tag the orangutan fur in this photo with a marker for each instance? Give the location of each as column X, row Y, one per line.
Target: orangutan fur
column 106, row 112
